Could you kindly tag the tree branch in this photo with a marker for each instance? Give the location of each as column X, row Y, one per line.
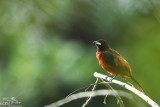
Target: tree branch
column 128, row 87
column 94, row 87
column 88, row 94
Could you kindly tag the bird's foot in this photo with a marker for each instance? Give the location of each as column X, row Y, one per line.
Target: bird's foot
column 112, row 77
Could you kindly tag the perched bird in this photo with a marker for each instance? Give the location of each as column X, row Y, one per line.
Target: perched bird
column 112, row 62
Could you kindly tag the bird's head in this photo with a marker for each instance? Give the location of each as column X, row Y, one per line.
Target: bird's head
column 101, row 45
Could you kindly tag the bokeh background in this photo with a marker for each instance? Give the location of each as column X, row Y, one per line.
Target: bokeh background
column 46, row 49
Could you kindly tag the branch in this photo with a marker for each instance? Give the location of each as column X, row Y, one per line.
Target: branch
column 119, row 100
column 94, row 87
column 128, row 87
column 88, row 94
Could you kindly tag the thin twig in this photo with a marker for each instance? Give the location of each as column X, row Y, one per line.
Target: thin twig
column 94, row 87
column 87, row 87
column 77, row 90
column 104, row 101
column 128, row 87
column 119, row 100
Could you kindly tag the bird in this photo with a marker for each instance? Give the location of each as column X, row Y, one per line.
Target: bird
column 112, row 62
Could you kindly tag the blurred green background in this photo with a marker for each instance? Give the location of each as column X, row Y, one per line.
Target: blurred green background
column 46, row 49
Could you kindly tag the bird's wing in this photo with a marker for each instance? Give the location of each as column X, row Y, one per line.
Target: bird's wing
column 113, row 59
column 109, row 58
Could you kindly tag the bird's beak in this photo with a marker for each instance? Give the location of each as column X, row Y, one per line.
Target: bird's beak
column 97, row 43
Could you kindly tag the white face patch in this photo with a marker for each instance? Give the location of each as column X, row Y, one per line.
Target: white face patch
column 98, row 43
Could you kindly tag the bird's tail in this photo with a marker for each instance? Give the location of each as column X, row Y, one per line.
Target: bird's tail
column 139, row 86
